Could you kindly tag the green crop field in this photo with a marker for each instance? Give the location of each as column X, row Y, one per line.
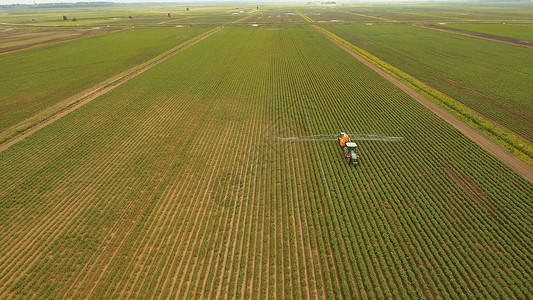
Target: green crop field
column 119, row 16
column 441, row 12
column 516, row 31
column 283, row 15
column 34, row 79
column 187, row 181
column 492, row 78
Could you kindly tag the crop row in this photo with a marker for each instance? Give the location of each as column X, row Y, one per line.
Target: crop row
column 512, row 31
column 176, row 185
column 35, row 79
column 459, row 66
column 356, row 115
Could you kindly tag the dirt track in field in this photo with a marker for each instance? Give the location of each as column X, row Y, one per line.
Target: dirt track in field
column 482, row 35
column 514, row 162
column 71, row 36
column 99, row 90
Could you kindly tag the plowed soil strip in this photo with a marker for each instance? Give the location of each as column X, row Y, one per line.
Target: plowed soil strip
column 481, row 35
column 512, row 161
column 105, row 88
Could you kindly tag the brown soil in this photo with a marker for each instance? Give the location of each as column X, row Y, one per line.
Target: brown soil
column 53, row 37
column 100, row 90
column 482, row 35
column 514, row 162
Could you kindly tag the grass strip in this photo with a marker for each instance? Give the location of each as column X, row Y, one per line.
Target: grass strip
column 305, row 17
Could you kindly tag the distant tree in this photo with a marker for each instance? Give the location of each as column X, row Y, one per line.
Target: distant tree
column 187, row 9
column 65, row 18
column 130, row 17
column 258, row 8
column 74, row 19
column 169, row 15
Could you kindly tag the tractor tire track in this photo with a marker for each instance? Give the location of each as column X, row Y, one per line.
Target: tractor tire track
column 84, row 33
column 485, row 36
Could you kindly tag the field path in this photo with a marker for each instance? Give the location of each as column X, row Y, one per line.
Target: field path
column 486, row 36
column 107, row 86
column 78, row 34
column 515, row 163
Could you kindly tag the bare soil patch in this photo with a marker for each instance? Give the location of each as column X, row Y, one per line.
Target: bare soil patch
column 482, row 35
column 512, row 161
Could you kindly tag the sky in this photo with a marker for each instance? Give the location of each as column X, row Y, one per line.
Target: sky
column 130, row 1
column 73, row 1
column 173, row 1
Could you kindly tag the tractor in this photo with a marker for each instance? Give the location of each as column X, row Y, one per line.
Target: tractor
column 349, row 148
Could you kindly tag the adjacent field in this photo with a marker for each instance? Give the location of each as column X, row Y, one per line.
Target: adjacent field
column 453, row 64
column 443, row 12
column 497, row 38
column 118, row 17
column 276, row 16
column 175, row 185
column 515, row 31
column 35, row 79
column 331, row 14
column 16, row 39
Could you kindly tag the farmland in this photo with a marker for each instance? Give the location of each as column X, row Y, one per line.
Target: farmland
column 19, row 39
column 178, row 184
column 38, row 78
column 409, row 13
column 449, row 63
column 517, row 31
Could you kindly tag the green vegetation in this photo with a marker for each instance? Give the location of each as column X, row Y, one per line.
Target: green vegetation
column 452, row 64
column 278, row 16
column 118, row 17
column 122, row 203
column 176, row 184
column 515, row 31
column 34, row 79
column 421, row 12
column 506, row 139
